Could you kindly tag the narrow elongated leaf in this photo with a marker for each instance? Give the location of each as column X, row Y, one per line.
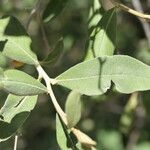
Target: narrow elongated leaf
column 13, row 114
column 61, row 136
column 52, row 57
column 94, row 77
column 20, row 83
column 17, row 44
column 103, row 37
column 95, row 14
column 73, row 108
column 64, row 138
column 54, row 7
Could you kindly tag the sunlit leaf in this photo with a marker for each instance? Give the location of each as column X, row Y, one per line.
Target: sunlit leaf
column 103, row 37
column 73, row 108
column 95, row 14
column 17, row 44
column 13, row 114
column 61, row 136
column 20, row 83
column 94, row 77
column 3, row 61
column 1, row 76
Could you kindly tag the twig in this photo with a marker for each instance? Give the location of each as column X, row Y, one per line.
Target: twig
column 45, row 40
column 137, row 5
column 131, row 11
column 83, row 138
column 16, row 142
column 32, row 13
column 47, row 79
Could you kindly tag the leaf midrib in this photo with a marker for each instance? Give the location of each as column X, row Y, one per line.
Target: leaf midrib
column 19, row 82
column 96, row 76
column 13, row 42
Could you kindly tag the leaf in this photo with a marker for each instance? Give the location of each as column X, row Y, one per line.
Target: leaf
column 64, row 138
column 53, row 56
column 73, row 108
column 94, row 77
column 20, row 83
column 15, row 105
column 61, row 136
column 95, row 14
column 3, row 61
column 1, row 75
column 103, row 37
column 83, row 138
column 53, row 9
column 14, row 113
column 17, row 44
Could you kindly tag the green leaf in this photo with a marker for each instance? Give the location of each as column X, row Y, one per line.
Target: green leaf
column 53, row 56
column 95, row 14
column 61, row 136
column 73, row 108
column 1, row 75
column 3, row 61
column 94, row 77
column 103, row 38
column 14, row 113
column 53, row 9
column 15, row 105
column 17, row 43
column 20, row 83
column 64, row 138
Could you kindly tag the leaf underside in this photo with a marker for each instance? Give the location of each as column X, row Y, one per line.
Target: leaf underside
column 20, row 83
column 94, row 77
column 16, row 42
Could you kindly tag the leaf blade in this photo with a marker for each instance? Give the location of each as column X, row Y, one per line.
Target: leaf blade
column 73, row 108
column 122, row 70
column 17, row 42
column 60, row 134
column 12, row 120
column 20, row 83
column 103, row 37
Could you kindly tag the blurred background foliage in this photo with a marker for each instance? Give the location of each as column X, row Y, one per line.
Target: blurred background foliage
column 116, row 121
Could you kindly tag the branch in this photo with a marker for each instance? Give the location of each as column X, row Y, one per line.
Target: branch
column 48, row 80
column 37, row 11
column 16, row 142
column 82, row 138
column 131, row 11
column 137, row 5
